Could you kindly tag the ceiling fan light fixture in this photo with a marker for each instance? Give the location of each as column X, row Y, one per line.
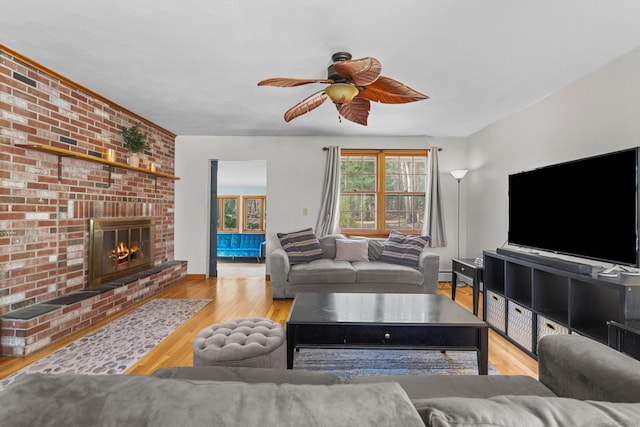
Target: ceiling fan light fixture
column 341, row 93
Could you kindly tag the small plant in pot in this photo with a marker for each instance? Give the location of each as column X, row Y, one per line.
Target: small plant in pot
column 136, row 141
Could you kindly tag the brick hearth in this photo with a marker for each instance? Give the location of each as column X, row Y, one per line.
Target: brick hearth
column 23, row 337
column 46, row 201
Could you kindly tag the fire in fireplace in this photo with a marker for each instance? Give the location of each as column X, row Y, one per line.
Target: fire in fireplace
column 119, row 247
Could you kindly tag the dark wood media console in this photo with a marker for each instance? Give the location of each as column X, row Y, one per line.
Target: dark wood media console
column 525, row 301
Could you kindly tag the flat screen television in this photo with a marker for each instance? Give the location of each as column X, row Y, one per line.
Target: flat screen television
column 585, row 208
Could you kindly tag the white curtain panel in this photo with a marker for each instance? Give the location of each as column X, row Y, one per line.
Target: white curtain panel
column 433, row 225
column 329, row 215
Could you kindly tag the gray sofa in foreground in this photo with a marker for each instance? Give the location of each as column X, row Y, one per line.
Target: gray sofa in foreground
column 581, row 383
column 330, row 275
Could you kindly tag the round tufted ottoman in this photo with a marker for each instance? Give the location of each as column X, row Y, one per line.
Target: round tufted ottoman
column 252, row 342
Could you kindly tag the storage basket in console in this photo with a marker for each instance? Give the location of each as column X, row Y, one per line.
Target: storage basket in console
column 549, row 327
column 519, row 325
column 495, row 310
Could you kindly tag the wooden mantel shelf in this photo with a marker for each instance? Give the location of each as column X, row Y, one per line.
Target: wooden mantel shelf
column 66, row 153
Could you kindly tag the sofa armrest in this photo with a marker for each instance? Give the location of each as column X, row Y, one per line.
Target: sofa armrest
column 279, row 271
column 429, row 266
column 581, row 368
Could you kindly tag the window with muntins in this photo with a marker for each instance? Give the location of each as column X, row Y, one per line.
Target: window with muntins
column 255, row 214
column 228, row 214
column 382, row 190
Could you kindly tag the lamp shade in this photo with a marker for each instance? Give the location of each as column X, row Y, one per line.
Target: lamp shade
column 341, row 93
column 458, row 174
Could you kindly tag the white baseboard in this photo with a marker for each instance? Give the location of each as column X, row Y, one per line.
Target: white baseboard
column 444, row 276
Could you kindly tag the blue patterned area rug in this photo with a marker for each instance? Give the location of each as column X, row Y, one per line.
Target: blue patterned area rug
column 348, row 363
column 117, row 346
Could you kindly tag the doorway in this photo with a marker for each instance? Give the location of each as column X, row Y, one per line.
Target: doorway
column 236, row 185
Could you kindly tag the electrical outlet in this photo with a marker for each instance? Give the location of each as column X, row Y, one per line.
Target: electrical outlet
column 305, row 211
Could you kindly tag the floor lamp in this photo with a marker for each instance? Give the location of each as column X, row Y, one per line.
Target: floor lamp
column 458, row 175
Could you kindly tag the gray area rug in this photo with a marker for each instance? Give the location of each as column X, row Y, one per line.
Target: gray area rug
column 117, row 346
column 348, row 363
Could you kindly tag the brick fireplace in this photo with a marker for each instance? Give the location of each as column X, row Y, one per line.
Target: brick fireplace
column 48, row 203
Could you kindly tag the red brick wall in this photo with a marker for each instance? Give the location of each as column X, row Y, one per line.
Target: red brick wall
column 44, row 220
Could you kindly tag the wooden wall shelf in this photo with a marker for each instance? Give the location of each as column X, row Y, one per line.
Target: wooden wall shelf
column 66, row 153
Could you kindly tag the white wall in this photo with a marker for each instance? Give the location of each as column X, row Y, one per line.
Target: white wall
column 596, row 114
column 295, row 172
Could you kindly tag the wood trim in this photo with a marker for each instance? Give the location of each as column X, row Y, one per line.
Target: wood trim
column 196, row 276
column 31, row 63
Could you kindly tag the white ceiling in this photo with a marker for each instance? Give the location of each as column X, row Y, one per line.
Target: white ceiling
column 192, row 66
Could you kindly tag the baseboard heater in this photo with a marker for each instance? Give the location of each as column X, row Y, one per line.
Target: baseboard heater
column 561, row 264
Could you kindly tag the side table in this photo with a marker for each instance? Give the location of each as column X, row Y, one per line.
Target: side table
column 467, row 267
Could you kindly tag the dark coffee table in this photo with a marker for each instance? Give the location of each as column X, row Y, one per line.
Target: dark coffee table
column 384, row 321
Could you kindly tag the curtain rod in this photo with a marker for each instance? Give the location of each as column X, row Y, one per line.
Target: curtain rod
column 381, row 149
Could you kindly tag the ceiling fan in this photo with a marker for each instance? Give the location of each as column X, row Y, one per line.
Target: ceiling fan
column 353, row 83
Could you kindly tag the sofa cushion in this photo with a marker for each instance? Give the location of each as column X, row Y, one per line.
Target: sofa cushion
column 529, row 411
column 224, row 240
column 301, row 246
column 130, row 400
column 403, row 249
column 328, row 245
column 323, row 271
column 352, row 250
column 251, row 240
column 375, row 246
column 381, row 272
column 481, row 386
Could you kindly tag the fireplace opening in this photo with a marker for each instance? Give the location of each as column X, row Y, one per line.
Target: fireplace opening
column 119, row 247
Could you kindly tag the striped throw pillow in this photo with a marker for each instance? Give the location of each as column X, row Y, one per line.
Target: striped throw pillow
column 403, row 249
column 301, row 246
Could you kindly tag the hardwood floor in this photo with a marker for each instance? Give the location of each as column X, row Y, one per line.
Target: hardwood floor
column 241, row 291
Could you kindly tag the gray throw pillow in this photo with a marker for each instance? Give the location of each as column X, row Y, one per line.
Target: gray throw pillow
column 403, row 249
column 301, row 246
column 375, row 249
column 351, row 250
column 375, row 246
column 328, row 245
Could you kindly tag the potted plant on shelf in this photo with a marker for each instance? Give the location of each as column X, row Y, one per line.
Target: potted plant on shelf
column 135, row 140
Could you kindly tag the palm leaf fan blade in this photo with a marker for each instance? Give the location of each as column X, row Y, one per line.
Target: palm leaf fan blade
column 288, row 82
column 390, row 91
column 306, row 105
column 356, row 111
column 362, row 72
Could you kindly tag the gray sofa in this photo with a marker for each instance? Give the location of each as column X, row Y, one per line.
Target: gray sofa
column 581, row 383
column 330, row 275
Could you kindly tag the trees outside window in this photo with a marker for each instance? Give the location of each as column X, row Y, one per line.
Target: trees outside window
column 255, row 214
column 382, row 190
column 228, row 214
